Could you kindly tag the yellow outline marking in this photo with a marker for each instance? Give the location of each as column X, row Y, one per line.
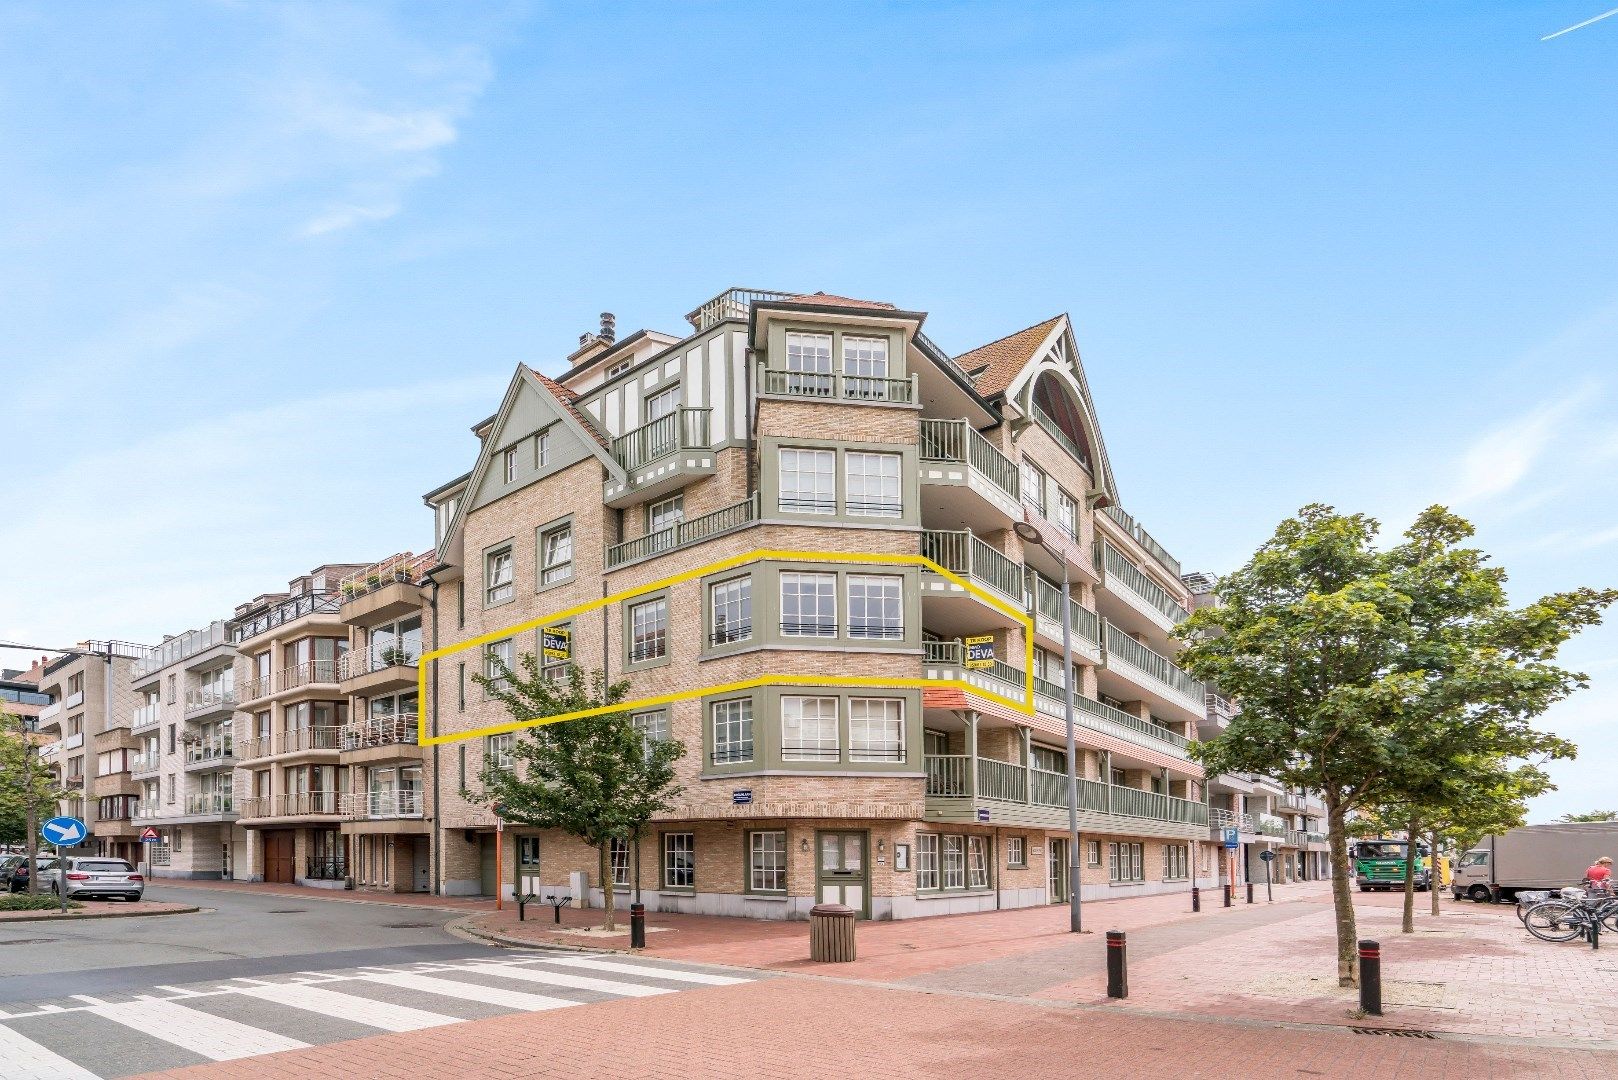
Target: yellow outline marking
column 793, row 678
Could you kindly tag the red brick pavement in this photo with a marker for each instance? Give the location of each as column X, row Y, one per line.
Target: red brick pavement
column 791, row 1027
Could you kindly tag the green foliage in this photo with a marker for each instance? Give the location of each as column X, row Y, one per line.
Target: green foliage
column 1591, row 815
column 1383, row 678
column 33, row 902
column 23, row 780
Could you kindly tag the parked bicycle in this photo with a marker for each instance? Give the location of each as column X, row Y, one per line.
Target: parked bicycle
column 1573, row 915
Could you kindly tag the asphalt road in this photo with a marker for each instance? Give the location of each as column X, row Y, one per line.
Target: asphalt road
column 235, row 935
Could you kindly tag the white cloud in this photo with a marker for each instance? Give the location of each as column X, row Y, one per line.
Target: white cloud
column 339, row 218
column 1498, row 462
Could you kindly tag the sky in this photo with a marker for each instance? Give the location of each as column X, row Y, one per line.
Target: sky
column 264, row 264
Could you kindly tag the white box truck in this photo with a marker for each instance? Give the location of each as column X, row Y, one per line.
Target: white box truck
column 1532, row 857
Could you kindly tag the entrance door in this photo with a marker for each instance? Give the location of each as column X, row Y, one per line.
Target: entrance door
column 844, row 877
column 1056, row 871
column 488, row 875
column 423, row 865
column 279, row 865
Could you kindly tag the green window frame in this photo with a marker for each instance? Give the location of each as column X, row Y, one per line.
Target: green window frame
column 679, row 861
column 1016, row 853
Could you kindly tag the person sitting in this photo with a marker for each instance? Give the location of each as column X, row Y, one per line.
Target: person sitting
column 1599, row 876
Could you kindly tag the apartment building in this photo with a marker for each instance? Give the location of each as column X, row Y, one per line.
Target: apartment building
column 291, row 712
column 184, row 758
column 765, row 484
column 89, row 717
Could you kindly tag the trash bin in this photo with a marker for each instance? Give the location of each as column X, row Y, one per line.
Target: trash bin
column 831, row 934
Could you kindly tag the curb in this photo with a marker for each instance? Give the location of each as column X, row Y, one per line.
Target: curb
column 57, row 916
column 462, row 926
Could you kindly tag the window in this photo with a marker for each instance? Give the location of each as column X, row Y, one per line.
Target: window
column 809, row 605
column 731, row 610
column 809, row 729
column 528, row 852
column 618, row 369
column 618, row 857
column 460, row 687
column 1125, row 863
column 679, row 860
column 977, row 862
column 653, row 725
column 926, row 861
column 1176, row 862
column 649, row 631
column 542, row 449
column 1016, row 854
column 767, row 861
column 809, row 364
column 732, row 731
column 1033, row 487
column 666, row 514
column 808, row 481
column 511, row 464
column 497, row 754
column 556, row 554
column 497, row 576
column 1093, row 855
column 497, row 664
column 875, row 607
column 1117, row 778
column 663, row 403
column 1048, row 760
column 865, row 368
column 876, row 729
column 873, row 484
column 954, row 862
column 1067, row 514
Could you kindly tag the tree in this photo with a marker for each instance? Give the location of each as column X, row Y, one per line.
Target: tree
column 596, row 777
column 1359, row 670
column 27, row 795
column 1591, row 815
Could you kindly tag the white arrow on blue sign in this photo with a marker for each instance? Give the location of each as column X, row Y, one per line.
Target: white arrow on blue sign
column 64, row 831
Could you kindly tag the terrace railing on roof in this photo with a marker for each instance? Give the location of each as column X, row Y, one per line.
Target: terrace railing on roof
column 289, row 610
column 405, row 567
column 179, row 647
column 731, row 304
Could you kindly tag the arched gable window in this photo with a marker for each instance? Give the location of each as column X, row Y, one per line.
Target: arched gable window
column 1060, row 416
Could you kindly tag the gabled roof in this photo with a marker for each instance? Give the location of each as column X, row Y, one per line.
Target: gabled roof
column 569, row 402
column 828, row 300
column 995, row 365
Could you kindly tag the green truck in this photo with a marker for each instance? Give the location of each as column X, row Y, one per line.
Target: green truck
column 1380, row 864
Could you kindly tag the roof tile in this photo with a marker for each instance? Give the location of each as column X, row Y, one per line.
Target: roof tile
column 995, row 365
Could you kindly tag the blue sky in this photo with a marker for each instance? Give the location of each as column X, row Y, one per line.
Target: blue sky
column 266, row 263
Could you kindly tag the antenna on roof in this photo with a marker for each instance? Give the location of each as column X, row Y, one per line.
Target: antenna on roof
column 609, row 327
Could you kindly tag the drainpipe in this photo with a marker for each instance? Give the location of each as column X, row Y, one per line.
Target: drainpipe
column 436, row 848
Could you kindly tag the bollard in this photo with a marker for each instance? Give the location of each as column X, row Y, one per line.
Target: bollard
column 1249, row 892
column 637, row 926
column 1370, row 977
column 1117, row 965
column 1595, row 931
column 1196, row 899
column 1228, row 887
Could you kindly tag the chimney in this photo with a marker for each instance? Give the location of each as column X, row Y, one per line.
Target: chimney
column 609, row 327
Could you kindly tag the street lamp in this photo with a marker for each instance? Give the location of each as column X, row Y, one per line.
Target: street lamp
column 1031, row 535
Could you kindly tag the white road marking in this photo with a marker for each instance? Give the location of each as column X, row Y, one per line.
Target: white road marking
column 377, row 1014
column 25, row 1059
column 643, row 970
column 557, row 978
column 214, row 1037
column 489, row 995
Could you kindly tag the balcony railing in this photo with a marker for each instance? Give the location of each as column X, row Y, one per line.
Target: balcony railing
column 1221, row 707
column 301, row 804
column 1220, row 818
column 826, row 386
column 309, row 738
column 1048, row 602
column 143, row 717
column 1143, row 538
column 953, row 654
column 1120, row 571
column 211, row 700
column 378, row 657
column 145, row 810
column 145, row 762
column 288, row 610
column 313, row 672
column 210, row 750
column 963, row 553
column 1160, row 668
column 180, row 647
column 1000, row 781
column 959, row 442
column 1312, row 837
column 221, row 802
column 392, row 730
column 404, row 567
column 1055, row 431
column 400, row 803
column 685, row 428
column 691, row 531
column 1270, row 825
column 1106, row 712
column 731, row 304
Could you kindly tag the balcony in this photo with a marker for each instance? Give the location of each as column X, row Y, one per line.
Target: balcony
column 309, row 740
column 311, row 673
column 210, row 803
column 1224, row 819
column 1018, row 794
column 302, row 804
column 145, row 716
column 1143, row 596
column 405, row 569
column 950, row 606
column 1154, row 677
column 953, row 454
column 379, row 732
column 1270, row 825
column 50, row 716
column 1221, row 710
column 688, row 532
column 1103, row 718
column 284, row 613
column 827, row 386
column 74, row 741
column 660, row 456
column 216, row 753
column 146, row 810
column 731, row 304
column 144, row 763
column 201, row 703
column 1054, row 430
column 947, row 660
column 1132, row 528
column 1292, row 800
column 180, row 647
column 382, row 805
column 1085, row 625
column 379, row 667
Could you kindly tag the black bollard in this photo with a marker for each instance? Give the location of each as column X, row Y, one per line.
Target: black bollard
column 1117, row 965
column 1227, row 894
column 1370, row 977
column 637, row 926
column 1595, row 932
column 1196, row 899
column 1249, row 892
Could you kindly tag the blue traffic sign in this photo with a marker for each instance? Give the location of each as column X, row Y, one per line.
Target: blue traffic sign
column 64, row 831
column 1232, row 838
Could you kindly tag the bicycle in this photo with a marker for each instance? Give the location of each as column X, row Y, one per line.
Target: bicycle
column 1572, row 917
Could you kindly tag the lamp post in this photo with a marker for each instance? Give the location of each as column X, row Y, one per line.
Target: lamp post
column 1031, row 535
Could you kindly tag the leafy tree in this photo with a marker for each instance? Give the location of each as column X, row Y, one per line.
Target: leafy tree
column 27, row 795
column 1591, row 815
column 1360, row 671
column 597, row 777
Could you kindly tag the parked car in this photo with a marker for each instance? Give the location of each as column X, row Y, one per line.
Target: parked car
column 16, row 875
column 94, row 877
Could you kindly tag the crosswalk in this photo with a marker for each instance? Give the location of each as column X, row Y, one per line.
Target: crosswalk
column 86, row 1037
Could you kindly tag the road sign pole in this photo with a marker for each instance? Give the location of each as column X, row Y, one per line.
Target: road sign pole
column 61, row 879
column 1269, row 893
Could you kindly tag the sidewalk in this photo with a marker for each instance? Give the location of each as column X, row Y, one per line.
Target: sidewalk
column 341, row 896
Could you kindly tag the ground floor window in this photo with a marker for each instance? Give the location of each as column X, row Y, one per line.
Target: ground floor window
column 528, row 853
column 926, row 861
column 767, row 861
column 1126, row 862
column 679, row 860
column 618, row 857
column 1176, row 862
column 950, row 861
column 1016, row 856
column 1093, row 852
column 977, row 862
